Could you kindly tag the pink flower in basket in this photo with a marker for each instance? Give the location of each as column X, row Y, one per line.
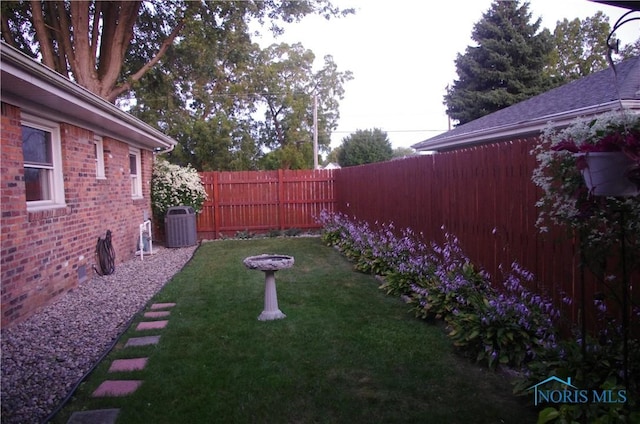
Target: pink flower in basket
column 623, row 137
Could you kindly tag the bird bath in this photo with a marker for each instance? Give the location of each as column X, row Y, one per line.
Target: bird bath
column 269, row 264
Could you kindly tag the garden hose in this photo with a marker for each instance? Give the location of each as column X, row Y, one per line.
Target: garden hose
column 105, row 255
column 104, row 354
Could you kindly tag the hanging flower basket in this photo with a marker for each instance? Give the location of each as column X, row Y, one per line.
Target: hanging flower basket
column 577, row 194
column 608, row 173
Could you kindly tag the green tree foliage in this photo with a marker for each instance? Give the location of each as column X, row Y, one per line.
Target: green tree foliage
column 505, row 67
column 287, row 87
column 630, row 50
column 333, row 155
column 401, row 152
column 253, row 109
column 365, row 146
column 107, row 47
column 580, row 48
column 191, row 69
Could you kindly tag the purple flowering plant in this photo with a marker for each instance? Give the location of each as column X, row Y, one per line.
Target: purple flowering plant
column 499, row 326
column 454, row 286
column 507, row 325
column 511, row 327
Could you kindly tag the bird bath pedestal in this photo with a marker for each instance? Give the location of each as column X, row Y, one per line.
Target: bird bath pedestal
column 269, row 264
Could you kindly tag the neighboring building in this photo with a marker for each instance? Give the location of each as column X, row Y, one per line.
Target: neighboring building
column 331, row 165
column 594, row 94
column 73, row 167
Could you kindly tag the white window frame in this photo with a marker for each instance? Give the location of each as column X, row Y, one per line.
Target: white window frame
column 99, row 149
column 136, row 179
column 57, row 199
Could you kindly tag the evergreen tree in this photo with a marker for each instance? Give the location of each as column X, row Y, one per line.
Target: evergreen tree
column 505, row 67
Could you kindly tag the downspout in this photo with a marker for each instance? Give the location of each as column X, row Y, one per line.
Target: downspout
column 162, row 152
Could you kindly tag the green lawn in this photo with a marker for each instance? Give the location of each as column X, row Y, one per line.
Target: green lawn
column 346, row 353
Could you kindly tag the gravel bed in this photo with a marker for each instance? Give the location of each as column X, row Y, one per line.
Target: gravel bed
column 44, row 357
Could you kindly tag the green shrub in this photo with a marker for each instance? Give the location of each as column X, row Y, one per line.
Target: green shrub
column 246, row 234
column 292, row 232
column 598, row 367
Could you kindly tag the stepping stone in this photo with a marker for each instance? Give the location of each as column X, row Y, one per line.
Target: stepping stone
column 142, row 341
column 97, row 416
column 128, row 364
column 158, row 314
column 162, row 305
column 151, row 325
column 116, row 388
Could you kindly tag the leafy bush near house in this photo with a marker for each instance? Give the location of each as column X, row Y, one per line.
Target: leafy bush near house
column 510, row 326
column 173, row 185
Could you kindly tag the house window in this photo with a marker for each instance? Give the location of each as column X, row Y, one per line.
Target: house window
column 99, row 155
column 44, row 186
column 135, row 172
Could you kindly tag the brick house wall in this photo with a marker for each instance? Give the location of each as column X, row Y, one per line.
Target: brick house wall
column 45, row 253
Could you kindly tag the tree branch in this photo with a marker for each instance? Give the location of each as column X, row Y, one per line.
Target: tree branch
column 116, row 38
column 6, row 32
column 95, row 31
column 62, row 33
column 46, row 46
column 276, row 122
column 144, row 69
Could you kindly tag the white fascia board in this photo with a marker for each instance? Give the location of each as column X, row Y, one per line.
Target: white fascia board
column 522, row 129
column 29, row 84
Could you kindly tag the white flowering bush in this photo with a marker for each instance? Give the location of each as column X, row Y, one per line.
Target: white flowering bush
column 174, row 185
column 565, row 198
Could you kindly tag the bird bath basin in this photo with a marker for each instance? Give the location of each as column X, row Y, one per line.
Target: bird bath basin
column 269, row 264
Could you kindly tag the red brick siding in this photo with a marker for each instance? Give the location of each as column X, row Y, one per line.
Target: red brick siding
column 41, row 252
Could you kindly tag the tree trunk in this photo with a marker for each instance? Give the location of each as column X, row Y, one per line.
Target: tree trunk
column 91, row 48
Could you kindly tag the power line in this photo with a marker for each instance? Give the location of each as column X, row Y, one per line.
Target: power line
column 391, row 131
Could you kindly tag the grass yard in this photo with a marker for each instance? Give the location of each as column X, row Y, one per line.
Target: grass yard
column 346, row 353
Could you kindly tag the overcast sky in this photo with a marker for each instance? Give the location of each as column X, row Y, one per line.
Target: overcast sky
column 402, row 57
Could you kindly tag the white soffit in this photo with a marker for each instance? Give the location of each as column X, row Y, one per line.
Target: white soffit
column 41, row 91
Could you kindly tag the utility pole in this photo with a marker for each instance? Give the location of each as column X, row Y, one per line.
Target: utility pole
column 315, row 131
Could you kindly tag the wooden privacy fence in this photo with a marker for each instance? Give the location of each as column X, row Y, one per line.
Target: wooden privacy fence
column 260, row 201
column 485, row 197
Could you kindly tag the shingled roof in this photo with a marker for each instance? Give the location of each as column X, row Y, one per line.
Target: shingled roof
column 596, row 93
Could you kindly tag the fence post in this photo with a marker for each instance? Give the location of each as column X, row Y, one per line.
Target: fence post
column 216, row 204
column 281, row 199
